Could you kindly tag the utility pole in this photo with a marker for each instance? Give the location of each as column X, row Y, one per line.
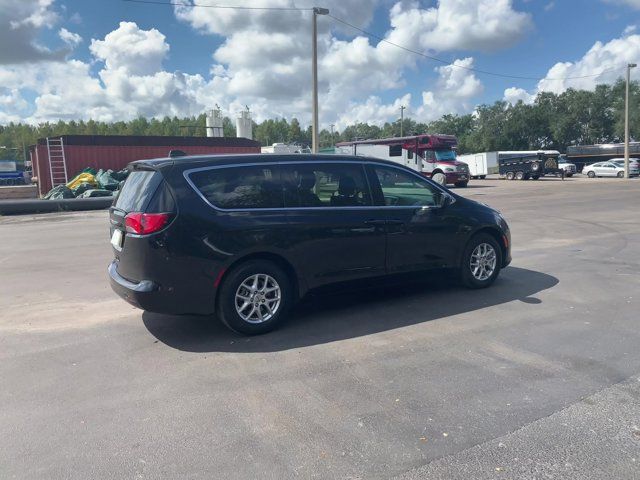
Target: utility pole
column 402, row 107
column 626, row 122
column 314, row 126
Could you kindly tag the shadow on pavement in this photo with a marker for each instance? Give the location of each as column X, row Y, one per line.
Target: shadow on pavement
column 327, row 317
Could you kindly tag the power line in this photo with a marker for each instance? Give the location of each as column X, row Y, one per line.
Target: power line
column 231, row 7
column 471, row 69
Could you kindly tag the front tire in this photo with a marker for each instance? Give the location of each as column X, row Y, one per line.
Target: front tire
column 568, row 175
column 591, row 174
column 439, row 178
column 254, row 298
column 481, row 262
column 620, row 174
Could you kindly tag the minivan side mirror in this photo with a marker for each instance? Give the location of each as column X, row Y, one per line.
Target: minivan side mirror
column 444, row 200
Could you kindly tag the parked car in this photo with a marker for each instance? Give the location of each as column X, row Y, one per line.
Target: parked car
column 608, row 169
column 634, row 163
column 246, row 236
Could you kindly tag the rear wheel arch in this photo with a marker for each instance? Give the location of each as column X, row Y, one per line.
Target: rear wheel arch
column 278, row 260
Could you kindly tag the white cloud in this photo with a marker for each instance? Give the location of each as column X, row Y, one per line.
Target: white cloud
column 266, row 54
column 629, row 3
column 70, row 38
column 459, row 25
column 372, row 111
column 20, row 22
column 131, row 83
column 603, row 63
column 513, row 95
column 136, row 51
column 35, row 13
column 12, row 105
column 629, row 30
column 455, row 90
column 264, row 62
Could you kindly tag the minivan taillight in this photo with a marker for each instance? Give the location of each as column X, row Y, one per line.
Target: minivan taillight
column 145, row 223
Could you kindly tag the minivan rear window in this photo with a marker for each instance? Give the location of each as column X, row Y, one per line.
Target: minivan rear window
column 240, row 187
column 138, row 190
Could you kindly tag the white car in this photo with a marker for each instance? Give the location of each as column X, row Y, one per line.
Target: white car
column 633, row 162
column 608, row 169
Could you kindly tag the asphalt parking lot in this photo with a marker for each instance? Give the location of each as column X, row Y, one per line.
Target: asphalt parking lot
column 536, row 377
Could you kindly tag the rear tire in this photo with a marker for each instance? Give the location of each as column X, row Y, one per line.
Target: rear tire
column 259, row 300
column 591, row 174
column 509, row 175
column 569, row 175
column 461, row 184
column 482, row 177
column 475, row 268
column 520, row 176
column 536, row 177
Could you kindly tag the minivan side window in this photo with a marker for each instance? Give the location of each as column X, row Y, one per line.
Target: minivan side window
column 401, row 189
column 241, row 187
column 325, row 185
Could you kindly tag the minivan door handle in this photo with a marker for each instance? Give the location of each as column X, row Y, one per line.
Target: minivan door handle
column 395, row 221
column 376, row 223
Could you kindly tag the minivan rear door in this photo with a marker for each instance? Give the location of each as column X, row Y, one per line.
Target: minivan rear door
column 335, row 231
column 145, row 196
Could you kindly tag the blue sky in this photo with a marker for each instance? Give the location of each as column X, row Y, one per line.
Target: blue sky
column 206, row 56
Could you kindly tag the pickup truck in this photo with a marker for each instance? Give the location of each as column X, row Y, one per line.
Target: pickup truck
column 568, row 167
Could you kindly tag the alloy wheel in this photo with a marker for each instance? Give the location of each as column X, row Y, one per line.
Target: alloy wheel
column 483, row 261
column 258, row 298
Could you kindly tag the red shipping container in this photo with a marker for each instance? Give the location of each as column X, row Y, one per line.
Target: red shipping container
column 116, row 151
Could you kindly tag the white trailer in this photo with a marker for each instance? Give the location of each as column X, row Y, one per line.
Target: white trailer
column 481, row 164
column 285, row 148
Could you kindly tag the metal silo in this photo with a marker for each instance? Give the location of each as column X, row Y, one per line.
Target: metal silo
column 244, row 125
column 214, row 123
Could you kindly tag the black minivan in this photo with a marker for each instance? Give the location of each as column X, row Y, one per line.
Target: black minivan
column 246, row 236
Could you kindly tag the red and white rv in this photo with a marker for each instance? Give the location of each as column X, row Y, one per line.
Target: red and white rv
column 432, row 155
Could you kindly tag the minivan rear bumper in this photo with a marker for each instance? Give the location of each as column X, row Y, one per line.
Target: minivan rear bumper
column 152, row 296
column 144, row 294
